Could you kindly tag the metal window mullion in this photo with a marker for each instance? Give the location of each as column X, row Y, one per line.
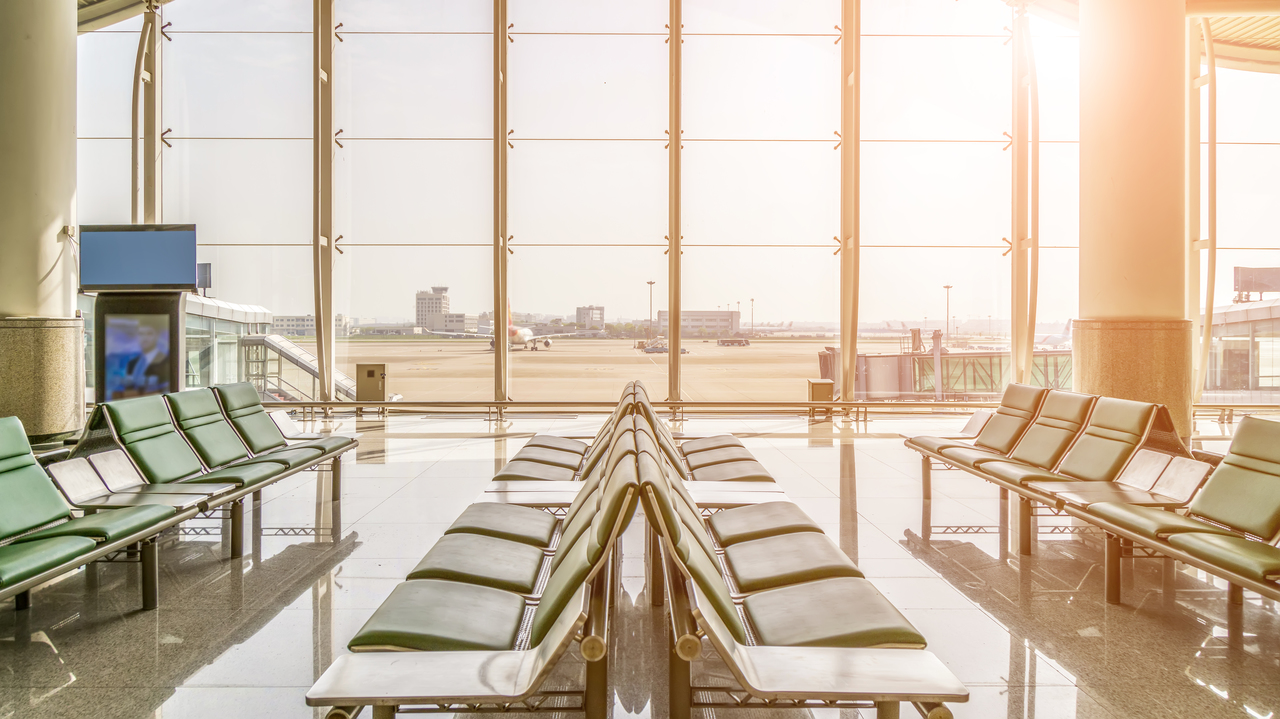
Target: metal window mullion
column 501, row 302
column 1211, row 239
column 138, row 121
column 1019, row 342
column 151, row 109
column 850, row 190
column 673, row 200
column 322, row 197
column 1192, row 193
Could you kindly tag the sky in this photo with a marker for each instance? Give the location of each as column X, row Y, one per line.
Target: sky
column 588, row 170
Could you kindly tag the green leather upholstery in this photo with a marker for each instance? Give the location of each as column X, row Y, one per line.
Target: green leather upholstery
column 564, row 444
column 325, row 444
column 756, row 521
column 545, row 455
column 521, row 470
column 1149, row 521
column 506, row 521
column 149, row 436
column 1096, row 492
column 698, row 460
column 564, row 581
column 240, row 475
column 28, row 498
column 706, row 575
column 1243, row 556
column 719, row 441
column 1017, row 473
column 1018, row 406
column 200, row 419
column 1059, row 421
column 937, row 444
column 22, row 561
column 435, row 615
column 966, row 456
column 290, row 457
column 108, row 526
column 787, row 559
column 244, row 409
column 1244, row 490
column 843, row 612
column 751, row 471
column 477, row 559
column 1115, row 428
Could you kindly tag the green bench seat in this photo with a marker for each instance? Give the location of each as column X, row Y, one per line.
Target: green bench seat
column 697, row 460
column 1045, row 440
column 22, row 561
column 516, row 470
column 506, row 521
column 719, row 441
column 757, row 521
column 1018, row 407
column 479, row 559
column 108, row 526
column 748, row 471
column 547, row 455
column 1246, row 557
column 434, row 615
column 563, row 444
column 244, row 411
column 787, row 559
column 240, row 475
column 840, row 612
column 200, row 420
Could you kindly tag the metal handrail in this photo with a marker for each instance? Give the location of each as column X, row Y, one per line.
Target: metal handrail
column 686, row 405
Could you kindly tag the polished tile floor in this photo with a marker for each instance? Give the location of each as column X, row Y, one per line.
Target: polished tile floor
column 246, row 638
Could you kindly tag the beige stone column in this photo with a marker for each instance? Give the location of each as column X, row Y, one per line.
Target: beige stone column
column 39, row 355
column 1133, row 339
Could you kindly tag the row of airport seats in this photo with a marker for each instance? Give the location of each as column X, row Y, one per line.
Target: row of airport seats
column 1118, row 465
column 512, row 586
column 165, row 459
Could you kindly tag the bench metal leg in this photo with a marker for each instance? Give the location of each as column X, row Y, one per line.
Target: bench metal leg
column 22, row 600
column 680, row 681
column 1111, row 568
column 150, row 575
column 237, row 528
column 1235, row 594
column 257, row 498
column 653, row 565
column 596, row 699
column 336, row 471
column 384, row 713
column 1025, row 537
column 926, row 476
column 887, row 710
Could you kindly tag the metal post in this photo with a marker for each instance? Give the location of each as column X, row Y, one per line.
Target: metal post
column 887, row 710
column 648, row 331
column 850, row 190
column 680, row 681
column 336, row 467
column 150, row 575
column 1192, row 196
column 675, row 41
column 322, row 199
column 1019, row 341
column 237, row 529
column 145, row 204
column 501, row 302
column 1025, row 537
column 22, row 600
column 1211, row 241
column 926, row 476
column 1111, row 568
column 947, row 317
column 654, row 579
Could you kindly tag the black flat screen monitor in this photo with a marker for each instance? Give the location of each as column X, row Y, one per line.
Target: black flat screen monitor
column 137, row 258
column 137, row 356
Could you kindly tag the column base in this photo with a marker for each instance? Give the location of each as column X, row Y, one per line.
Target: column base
column 1144, row 360
column 42, row 375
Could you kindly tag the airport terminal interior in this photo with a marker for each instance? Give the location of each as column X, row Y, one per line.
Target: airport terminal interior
column 654, row 358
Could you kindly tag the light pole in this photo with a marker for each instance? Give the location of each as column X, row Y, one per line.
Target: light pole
column 753, row 317
column 947, row 317
column 648, row 331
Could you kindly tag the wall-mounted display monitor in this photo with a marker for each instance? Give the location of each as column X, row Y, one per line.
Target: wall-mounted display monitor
column 136, row 258
column 137, row 356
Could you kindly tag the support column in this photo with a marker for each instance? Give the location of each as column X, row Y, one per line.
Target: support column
column 850, row 176
column 147, row 185
column 674, row 133
column 501, row 307
column 322, row 172
column 1132, row 339
column 41, row 355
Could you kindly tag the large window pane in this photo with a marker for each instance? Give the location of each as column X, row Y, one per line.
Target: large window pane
column 761, row 16
column 588, row 16
column 549, row 284
column 244, row 15
column 277, row 278
column 405, row 191
column 406, row 16
column 241, row 191
column 934, row 17
column 104, row 83
column 907, row 285
column 103, row 180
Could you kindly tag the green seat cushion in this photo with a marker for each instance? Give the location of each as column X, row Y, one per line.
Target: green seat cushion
column 200, row 419
column 751, row 471
column 1018, row 406
column 1115, row 428
column 787, row 559
column 326, row 445
column 519, row 470
column 553, row 457
column 506, row 521
column 1090, row 493
column 564, row 444
column 970, row 456
column 1150, row 521
column 1018, row 473
column 291, row 457
column 710, row 457
column 244, row 408
column 28, row 498
column 241, row 475
column 24, row 560
column 719, row 441
column 1245, row 557
column 1244, row 490
column 478, row 559
column 935, row 444
column 110, row 525
column 433, row 615
column 841, row 612
column 1055, row 427
column 756, row 521
column 151, row 439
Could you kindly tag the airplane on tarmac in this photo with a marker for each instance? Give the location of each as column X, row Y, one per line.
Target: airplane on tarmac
column 1055, row 341
column 517, row 337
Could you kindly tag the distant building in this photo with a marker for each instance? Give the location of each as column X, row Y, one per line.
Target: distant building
column 714, row 322
column 305, row 325
column 455, row 322
column 590, row 316
column 429, row 304
column 390, row 328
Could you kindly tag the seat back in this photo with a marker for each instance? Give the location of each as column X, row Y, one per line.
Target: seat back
column 243, row 407
column 28, row 500
column 1144, row 470
column 1244, row 490
column 1115, row 430
column 200, row 420
column 143, row 426
column 1018, row 407
column 1056, row 425
column 77, row 480
column 117, row 472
